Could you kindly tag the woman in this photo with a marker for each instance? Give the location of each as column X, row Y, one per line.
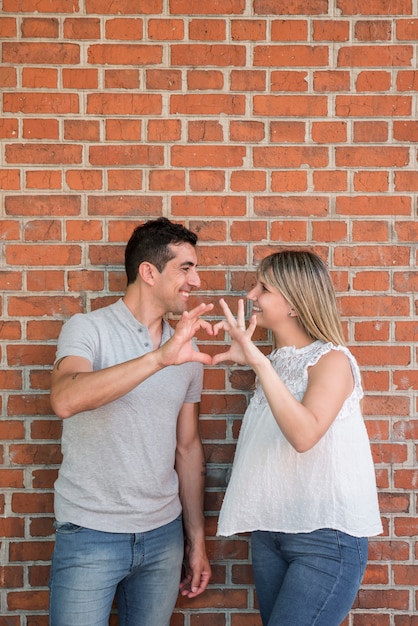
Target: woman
column 303, row 480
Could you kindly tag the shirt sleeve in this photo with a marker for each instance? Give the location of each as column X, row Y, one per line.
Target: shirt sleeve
column 78, row 337
column 194, row 391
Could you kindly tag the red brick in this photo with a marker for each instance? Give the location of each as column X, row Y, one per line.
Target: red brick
column 296, row 206
column 207, row 30
column 331, row 30
column 8, row 27
column 80, row 79
column 32, row 53
column 330, row 181
column 289, row 81
column 287, row 132
column 107, row 7
column 290, row 106
column 81, row 28
column 42, row 6
column 50, row 154
column 165, row 29
column 247, row 132
column 43, row 179
column 369, row 181
column 126, row 155
column 219, row 55
column 128, row 104
column 10, row 180
column 248, row 80
column 290, row 56
column 248, row 181
column 205, row 131
column 248, row 231
column 130, row 29
column 164, row 130
column 40, row 255
column 293, row 7
column 371, row 280
column 407, row 80
column 288, row 231
column 210, row 7
column 205, row 80
column 374, row 205
column 215, row 104
column 248, row 30
column 378, row 56
column 208, row 205
column 40, row 27
column 371, row 331
column 373, row 106
column 374, row 7
column 209, row 231
column 203, row 156
column 39, row 77
column 370, row 132
column 288, row 181
column 207, row 180
column 163, row 79
column 8, row 128
column 373, row 81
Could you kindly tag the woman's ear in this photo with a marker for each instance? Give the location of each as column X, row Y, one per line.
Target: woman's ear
column 292, row 313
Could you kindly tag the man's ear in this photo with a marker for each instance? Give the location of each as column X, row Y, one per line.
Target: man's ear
column 147, row 272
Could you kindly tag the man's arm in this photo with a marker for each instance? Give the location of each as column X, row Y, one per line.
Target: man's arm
column 75, row 387
column 191, row 470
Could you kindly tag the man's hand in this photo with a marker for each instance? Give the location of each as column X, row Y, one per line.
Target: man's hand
column 179, row 348
column 197, row 573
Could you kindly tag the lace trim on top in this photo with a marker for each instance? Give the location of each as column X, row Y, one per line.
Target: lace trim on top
column 292, row 364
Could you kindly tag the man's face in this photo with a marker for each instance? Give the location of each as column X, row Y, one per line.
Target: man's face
column 179, row 276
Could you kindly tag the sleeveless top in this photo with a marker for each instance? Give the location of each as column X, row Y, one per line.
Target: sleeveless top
column 275, row 488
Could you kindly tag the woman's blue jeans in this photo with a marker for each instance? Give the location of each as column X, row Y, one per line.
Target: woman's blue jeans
column 307, row 579
column 90, row 567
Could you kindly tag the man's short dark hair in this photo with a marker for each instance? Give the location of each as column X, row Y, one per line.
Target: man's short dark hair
column 149, row 242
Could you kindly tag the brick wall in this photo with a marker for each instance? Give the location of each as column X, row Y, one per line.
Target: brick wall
column 256, row 123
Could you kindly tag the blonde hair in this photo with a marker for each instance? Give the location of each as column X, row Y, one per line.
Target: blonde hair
column 303, row 279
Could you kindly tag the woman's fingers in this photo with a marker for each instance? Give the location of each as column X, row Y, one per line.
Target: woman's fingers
column 221, row 357
column 222, row 325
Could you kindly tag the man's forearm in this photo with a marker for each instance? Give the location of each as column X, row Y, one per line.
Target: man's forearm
column 191, row 470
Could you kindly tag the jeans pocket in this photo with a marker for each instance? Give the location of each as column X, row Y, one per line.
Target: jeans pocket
column 66, row 528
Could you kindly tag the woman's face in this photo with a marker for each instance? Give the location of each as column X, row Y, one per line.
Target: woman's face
column 269, row 305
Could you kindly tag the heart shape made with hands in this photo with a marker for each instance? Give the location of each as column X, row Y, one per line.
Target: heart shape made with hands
column 235, row 327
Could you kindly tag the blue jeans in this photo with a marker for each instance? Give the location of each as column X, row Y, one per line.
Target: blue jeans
column 307, row 579
column 90, row 567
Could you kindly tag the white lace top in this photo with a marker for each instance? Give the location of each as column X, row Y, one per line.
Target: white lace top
column 332, row 485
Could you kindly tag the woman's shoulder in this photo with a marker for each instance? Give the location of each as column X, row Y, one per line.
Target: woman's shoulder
column 335, row 361
column 330, row 357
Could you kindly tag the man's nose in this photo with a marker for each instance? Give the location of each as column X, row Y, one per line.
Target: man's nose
column 194, row 279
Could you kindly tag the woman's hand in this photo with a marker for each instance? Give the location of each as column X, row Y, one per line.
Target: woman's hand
column 242, row 349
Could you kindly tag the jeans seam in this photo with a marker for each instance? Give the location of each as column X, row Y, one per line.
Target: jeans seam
column 362, row 559
column 336, row 581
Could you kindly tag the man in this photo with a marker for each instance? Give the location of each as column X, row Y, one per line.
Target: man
column 127, row 386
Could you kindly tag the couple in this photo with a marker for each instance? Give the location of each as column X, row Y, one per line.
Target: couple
column 129, row 495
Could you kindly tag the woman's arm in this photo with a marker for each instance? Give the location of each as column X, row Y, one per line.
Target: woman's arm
column 330, row 383
column 305, row 423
